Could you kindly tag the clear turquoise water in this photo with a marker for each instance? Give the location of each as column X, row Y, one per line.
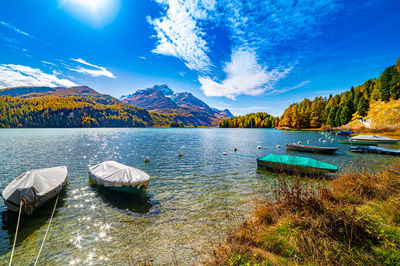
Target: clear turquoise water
column 190, row 203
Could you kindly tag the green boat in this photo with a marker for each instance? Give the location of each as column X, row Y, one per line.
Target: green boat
column 295, row 164
column 353, row 142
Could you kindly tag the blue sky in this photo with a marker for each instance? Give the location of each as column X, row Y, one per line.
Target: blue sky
column 247, row 56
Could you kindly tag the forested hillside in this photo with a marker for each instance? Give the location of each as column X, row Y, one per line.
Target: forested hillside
column 253, row 120
column 69, row 112
column 339, row 109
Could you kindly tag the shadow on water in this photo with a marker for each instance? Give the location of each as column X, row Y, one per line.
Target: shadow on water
column 131, row 203
column 28, row 223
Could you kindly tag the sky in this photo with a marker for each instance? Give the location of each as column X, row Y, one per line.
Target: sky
column 247, row 56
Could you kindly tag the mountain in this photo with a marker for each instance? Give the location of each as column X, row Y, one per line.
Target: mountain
column 70, row 107
column 184, row 105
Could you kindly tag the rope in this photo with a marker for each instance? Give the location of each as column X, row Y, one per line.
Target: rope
column 16, row 232
column 47, row 230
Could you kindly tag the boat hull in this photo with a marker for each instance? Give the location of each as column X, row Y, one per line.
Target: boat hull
column 311, row 149
column 126, row 189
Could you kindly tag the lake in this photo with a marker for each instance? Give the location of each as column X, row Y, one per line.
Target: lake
column 190, row 203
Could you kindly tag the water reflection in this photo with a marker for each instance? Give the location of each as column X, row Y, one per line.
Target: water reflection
column 132, row 203
column 28, row 223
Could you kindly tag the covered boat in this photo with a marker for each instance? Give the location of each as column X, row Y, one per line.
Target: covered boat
column 313, row 149
column 295, row 164
column 374, row 138
column 357, row 142
column 373, row 149
column 34, row 188
column 119, row 177
column 344, row 132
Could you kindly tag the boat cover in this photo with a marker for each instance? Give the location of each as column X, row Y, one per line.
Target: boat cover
column 374, row 149
column 35, row 186
column 372, row 138
column 297, row 160
column 114, row 174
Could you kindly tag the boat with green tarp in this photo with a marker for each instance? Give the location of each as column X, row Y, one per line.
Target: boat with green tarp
column 295, row 164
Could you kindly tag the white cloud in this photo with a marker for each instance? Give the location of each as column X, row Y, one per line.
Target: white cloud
column 97, row 72
column 266, row 39
column 276, row 91
column 15, row 29
column 179, row 32
column 48, row 63
column 19, row 75
column 244, row 75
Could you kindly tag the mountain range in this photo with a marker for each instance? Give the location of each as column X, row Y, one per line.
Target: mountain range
column 162, row 100
column 82, row 106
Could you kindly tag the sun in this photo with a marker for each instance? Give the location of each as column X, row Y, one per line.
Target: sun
column 96, row 13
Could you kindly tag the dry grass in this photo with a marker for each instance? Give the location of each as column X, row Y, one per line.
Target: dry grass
column 340, row 223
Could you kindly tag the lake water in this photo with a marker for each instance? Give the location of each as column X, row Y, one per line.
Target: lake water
column 190, row 202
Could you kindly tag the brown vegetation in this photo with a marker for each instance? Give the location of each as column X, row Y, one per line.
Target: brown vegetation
column 354, row 219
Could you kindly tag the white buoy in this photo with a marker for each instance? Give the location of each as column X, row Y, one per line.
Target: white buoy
column 147, row 160
column 224, row 153
column 299, row 142
column 278, row 146
column 308, row 141
column 259, row 147
column 319, row 139
column 324, row 141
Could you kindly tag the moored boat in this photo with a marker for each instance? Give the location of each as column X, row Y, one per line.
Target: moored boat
column 313, row 149
column 119, row 177
column 34, row 188
column 344, row 132
column 374, row 139
column 357, row 142
column 295, row 164
column 373, row 149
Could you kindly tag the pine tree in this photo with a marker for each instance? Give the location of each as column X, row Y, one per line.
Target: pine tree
column 362, row 108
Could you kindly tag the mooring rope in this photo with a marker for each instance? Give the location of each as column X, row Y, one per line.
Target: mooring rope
column 16, row 231
column 47, row 230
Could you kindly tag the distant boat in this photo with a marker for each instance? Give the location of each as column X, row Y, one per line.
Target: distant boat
column 357, row 142
column 373, row 149
column 119, row 177
column 344, row 132
column 374, row 138
column 295, row 164
column 34, row 188
column 313, row 149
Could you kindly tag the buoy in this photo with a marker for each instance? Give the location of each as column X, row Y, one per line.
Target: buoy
column 319, row 139
column 224, row 153
column 180, row 155
column 299, row 142
column 147, row 160
column 308, row 141
column 259, row 147
column 278, row 146
column 324, row 141
column 235, row 149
